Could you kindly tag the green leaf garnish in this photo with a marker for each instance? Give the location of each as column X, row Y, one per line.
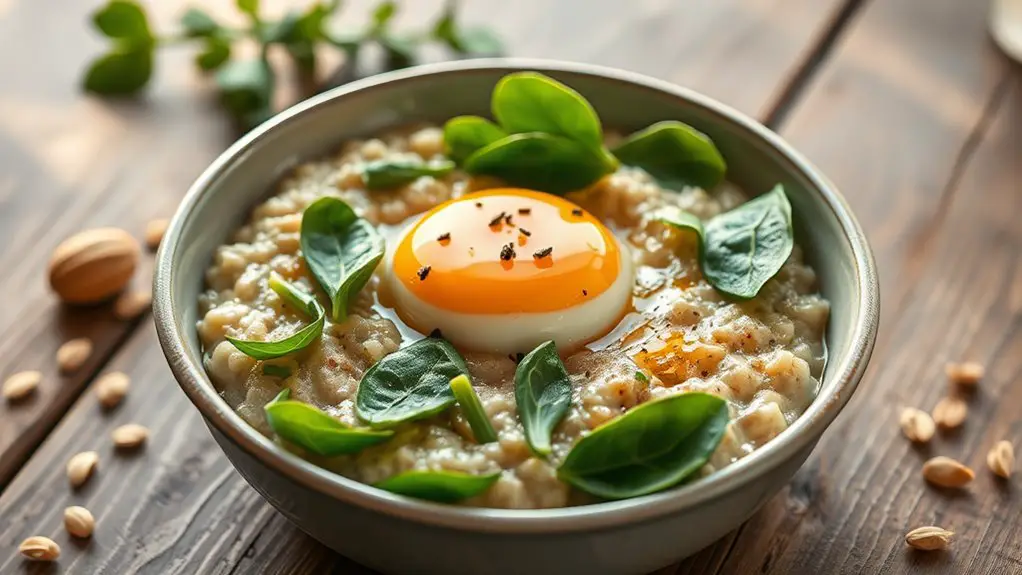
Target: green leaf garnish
column 250, row 7
column 464, row 135
column 470, row 41
column 246, row 89
column 124, row 70
column 215, row 53
column 543, row 395
column 746, row 246
column 125, row 21
column 198, row 23
column 650, row 448
column 383, row 13
column 305, row 303
column 388, row 174
column 741, row 249
column 682, row 220
column 440, row 486
column 411, row 383
column 540, row 161
column 341, row 249
column 531, row 102
column 314, row 430
column 126, row 66
column 473, row 410
column 675, row 154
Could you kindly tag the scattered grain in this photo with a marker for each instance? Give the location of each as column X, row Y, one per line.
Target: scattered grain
column 79, row 522
column 129, row 436
column 1001, row 459
column 946, row 472
column 917, row 425
column 19, row 385
column 967, row 373
column 154, row 231
column 132, row 304
column 73, row 354
column 950, row 412
column 39, row 548
column 81, row 466
column 111, row 388
column 929, row 538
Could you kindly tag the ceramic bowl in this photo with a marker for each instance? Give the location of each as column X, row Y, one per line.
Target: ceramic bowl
column 396, row 534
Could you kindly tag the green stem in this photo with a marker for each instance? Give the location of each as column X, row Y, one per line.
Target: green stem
column 467, row 398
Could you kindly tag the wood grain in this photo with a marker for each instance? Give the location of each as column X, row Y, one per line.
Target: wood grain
column 72, row 162
column 920, row 102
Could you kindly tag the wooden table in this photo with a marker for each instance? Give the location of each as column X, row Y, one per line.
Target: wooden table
column 904, row 103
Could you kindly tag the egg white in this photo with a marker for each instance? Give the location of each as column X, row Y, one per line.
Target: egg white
column 510, row 333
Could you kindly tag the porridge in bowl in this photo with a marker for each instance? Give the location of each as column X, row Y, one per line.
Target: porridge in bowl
column 521, row 314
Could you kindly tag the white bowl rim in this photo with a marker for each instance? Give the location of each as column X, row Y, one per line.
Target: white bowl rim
column 806, row 429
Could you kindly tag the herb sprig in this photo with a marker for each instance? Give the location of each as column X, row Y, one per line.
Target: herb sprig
column 246, row 85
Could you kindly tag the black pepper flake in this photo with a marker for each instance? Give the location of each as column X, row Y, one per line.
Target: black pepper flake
column 525, row 232
column 443, row 237
column 507, row 219
column 423, row 272
column 584, row 292
column 511, row 356
column 704, row 373
column 587, row 374
column 496, row 221
column 543, row 253
column 524, row 211
column 576, row 212
column 479, row 204
column 507, row 253
column 436, row 333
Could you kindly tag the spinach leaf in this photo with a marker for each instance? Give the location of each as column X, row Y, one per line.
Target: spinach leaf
column 464, row 135
column 305, row 303
column 314, row 430
column 123, row 70
column 473, row 409
column 543, row 395
column 682, row 220
column 747, row 246
column 341, row 249
column 530, row 102
column 675, row 154
column 441, row 486
column 411, row 383
column 541, row 161
column 387, row 174
column 650, row 448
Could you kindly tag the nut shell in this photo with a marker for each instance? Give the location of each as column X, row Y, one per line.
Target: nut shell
column 93, row 265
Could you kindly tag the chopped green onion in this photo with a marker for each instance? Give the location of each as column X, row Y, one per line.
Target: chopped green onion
column 482, row 429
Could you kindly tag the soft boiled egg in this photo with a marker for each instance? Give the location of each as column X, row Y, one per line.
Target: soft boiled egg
column 504, row 270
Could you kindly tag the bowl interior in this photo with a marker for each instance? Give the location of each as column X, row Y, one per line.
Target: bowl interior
column 757, row 159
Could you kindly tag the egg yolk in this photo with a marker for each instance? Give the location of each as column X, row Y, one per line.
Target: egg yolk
column 507, row 251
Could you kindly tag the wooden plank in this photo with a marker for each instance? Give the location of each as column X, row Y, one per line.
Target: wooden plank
column 918, row 99
column 71, row 162
column 180, row 506
column 187, row 512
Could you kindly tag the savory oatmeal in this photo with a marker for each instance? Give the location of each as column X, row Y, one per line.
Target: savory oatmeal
column 763, row 355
